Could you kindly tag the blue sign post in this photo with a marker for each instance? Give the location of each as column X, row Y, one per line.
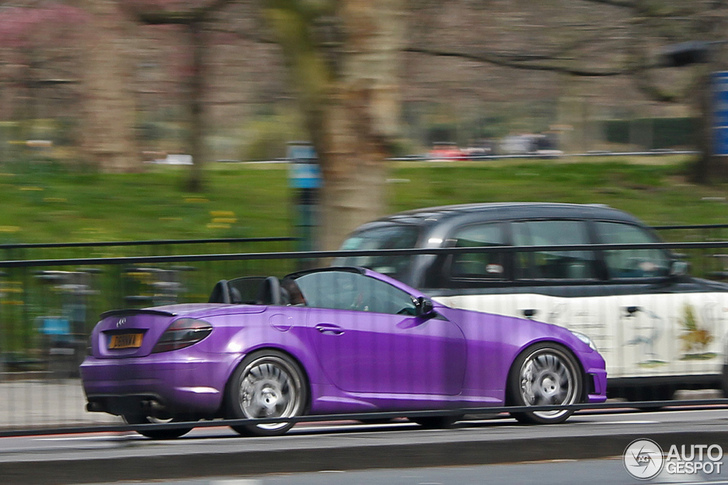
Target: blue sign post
column 305, row 179
column 719, row 84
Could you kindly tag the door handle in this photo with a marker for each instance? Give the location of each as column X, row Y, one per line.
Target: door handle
column 631, row 310
column 529, row 313
column 329, row 329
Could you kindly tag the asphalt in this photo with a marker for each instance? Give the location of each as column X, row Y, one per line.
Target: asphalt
column 53, row 403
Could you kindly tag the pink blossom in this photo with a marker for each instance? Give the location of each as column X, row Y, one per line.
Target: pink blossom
column 27, row 26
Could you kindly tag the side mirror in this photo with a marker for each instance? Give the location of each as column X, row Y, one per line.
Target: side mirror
column 424, row 306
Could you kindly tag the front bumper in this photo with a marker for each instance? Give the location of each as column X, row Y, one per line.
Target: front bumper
column 596, row 385
column 595, row 370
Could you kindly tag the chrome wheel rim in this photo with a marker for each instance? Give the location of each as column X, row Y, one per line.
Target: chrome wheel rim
column 269, row 389
column 548, row 377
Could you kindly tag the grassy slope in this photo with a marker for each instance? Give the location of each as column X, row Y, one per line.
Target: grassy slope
column 655, row 192
column 58, row 207
column 49, row 205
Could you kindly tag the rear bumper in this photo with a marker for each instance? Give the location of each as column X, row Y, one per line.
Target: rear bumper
column 161, row 385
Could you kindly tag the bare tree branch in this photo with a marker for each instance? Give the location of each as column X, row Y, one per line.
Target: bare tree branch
column 644, row 80
column 615, row 3
column 525, row 62
column 643, row 8
column 178, row 17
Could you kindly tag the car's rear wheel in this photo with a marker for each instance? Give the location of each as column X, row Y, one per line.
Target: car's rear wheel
column 267, row 384
column 156, row 434
column 545, row 374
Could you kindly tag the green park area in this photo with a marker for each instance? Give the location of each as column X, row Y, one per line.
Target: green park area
column 48, row 204
column 45, row 203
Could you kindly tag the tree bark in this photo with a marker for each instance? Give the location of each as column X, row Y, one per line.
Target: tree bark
column 108, row 140
column 193, row 16
column 196, row 100
column 346, row 71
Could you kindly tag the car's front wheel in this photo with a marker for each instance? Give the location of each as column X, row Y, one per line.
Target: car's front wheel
column 267, row 384
column 545, row 374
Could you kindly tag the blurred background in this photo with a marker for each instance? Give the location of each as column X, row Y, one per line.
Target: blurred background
column 98, row 87
column 581, row 73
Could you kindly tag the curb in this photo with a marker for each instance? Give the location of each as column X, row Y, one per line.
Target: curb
column 311, row 459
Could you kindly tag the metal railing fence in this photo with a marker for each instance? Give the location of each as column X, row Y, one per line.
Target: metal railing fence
column 159, row 247
column 162, row 247
column 49, row 306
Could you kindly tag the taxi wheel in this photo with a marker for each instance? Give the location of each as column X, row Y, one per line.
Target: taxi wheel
column 436, row 422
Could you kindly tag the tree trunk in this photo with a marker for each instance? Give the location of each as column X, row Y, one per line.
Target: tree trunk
column 108, row 89
column 196, row 95
column 193, row 16
column 347, row 75
column 363, row 119
column 354, row 172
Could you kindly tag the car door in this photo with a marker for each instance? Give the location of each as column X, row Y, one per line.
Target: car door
column 551, row 285
column 369, row 340
column 666, row 325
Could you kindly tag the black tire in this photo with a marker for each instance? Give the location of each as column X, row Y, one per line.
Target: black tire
column 376, row 420
column 266, row 384
column 545, row 374
column 156, row 434
column 436, row 422
column 651, row 393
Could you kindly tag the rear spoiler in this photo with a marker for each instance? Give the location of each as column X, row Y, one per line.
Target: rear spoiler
column 135, row 311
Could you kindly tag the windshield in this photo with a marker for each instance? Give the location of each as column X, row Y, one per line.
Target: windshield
column 387, row 237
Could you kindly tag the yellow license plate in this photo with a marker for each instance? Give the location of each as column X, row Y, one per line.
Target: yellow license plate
column 126, row 341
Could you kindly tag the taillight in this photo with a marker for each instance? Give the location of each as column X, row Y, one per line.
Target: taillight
column 182, row 333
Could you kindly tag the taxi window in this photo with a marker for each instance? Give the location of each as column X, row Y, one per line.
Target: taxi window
column 552, row 265
column 631, row 263
column 478, row 265
column 388, row 237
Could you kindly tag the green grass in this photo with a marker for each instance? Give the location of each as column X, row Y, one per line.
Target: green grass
column 48, row 204
column 655, row 191
column 54, row 206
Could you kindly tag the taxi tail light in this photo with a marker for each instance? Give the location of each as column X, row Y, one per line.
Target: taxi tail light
column 182, row 333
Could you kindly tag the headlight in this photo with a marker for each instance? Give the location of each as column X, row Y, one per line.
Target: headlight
column 585, row 339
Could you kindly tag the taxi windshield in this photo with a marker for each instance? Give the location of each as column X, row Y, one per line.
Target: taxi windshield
column 387, row 237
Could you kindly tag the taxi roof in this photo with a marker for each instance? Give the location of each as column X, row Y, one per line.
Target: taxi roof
column 500, row 211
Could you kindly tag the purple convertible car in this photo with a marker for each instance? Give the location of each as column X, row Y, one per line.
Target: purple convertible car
column 331, row 340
